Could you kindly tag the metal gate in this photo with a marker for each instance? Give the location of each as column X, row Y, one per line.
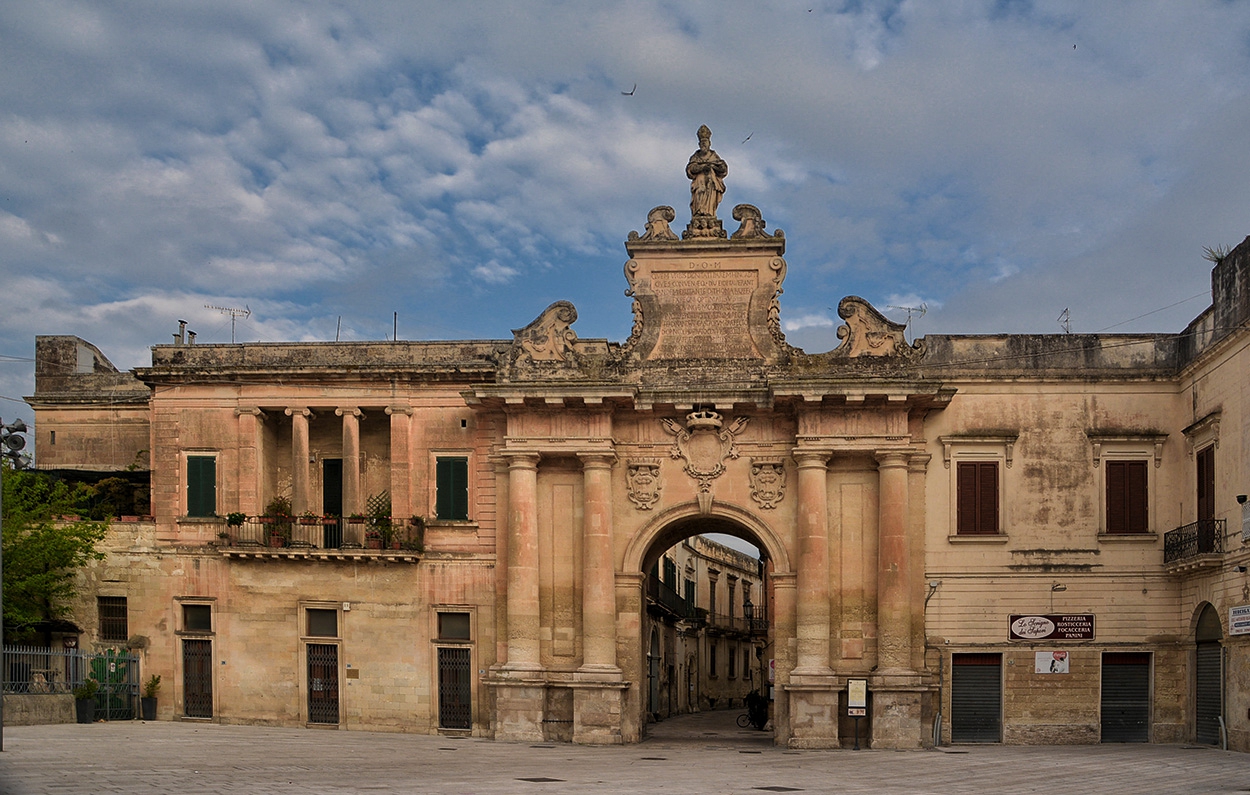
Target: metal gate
column 1125, row 697
column 976, row 698
column 323, row 683
column 1208, row 695
column 197, row 678
column 455, row 695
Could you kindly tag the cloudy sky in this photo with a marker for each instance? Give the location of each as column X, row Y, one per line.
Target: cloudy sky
column 465, row 164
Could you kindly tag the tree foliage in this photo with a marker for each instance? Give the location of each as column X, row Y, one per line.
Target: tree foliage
column 42, row 556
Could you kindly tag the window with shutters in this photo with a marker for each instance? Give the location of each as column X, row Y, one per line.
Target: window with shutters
column 1206, row 482
column 977, row 498
column 979, row 478
column 452, row 489
column 1127, row 495
column 201, row 485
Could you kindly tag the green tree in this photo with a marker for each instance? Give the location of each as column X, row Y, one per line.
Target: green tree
column 41, row 555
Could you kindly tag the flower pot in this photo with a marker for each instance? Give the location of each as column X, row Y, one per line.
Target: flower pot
column 147, row 708
column 84, row 709
column 276, row 540
column 374, row 543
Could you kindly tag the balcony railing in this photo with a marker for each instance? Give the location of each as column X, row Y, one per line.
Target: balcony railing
column 757, row 624
column 1203, row 537
column 292, row 534
column 664, row 596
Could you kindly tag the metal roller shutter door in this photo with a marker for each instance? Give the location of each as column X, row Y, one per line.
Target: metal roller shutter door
column 976, row 698
column 1208, row 693
column 1125, row 701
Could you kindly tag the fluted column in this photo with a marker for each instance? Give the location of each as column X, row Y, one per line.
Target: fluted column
column 300, row 478
column 812, row 624
column 402, row 503
column 893, row 572
column 598, row 576
column 352, row 499
column 250, row 445
column 523, row 618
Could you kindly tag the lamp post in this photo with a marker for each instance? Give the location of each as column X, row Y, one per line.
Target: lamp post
column 11, row 443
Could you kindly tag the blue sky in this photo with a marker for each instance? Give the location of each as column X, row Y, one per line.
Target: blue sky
column 466, row 164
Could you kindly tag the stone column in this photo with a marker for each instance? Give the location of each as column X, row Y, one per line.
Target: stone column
column 251, row 443
column 598, row 577
column 353, row 501
column 894, row 565
column 812, row 625
column 300, row 476
column 402, row 503
column 523, row 618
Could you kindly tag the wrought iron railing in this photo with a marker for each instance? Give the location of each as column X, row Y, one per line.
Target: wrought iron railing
column 665, row 596
column 323, row 533
column 1203, row 537
column 757, row 623
column 35, row 670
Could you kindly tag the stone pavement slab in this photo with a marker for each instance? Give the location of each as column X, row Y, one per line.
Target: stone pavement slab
column 709, row 756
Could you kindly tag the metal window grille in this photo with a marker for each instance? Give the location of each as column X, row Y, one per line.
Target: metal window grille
column 112, row 612
column 197, row 678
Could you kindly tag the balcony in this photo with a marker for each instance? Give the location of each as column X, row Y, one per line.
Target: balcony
column 1198, row 545
column 738, row 625
column 667, row 601
column 321, row 538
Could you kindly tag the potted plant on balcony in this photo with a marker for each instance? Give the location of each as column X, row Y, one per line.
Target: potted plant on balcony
column 278, row 517
column 84, row 700
column 234, row 520
column 147, row 702
column 378, row 509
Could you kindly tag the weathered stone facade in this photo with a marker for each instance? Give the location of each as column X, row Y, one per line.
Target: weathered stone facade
column 908, row 499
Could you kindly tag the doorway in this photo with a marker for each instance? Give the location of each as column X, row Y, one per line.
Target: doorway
column 332, row 501
column 976, row 698
column 1125, row 701
column 1209, row 677
column 197, row 678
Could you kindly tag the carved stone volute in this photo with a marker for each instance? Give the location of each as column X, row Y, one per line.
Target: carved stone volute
column 869, row 333
column 549, row 338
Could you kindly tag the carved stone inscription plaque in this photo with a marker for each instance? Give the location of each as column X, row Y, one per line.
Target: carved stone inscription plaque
column 704, row 313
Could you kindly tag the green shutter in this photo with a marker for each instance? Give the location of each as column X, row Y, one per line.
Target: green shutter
column 453, row 489
column 201, row 485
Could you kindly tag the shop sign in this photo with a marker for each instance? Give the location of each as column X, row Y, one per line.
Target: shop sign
column 1239, row 620
column 1051, row 627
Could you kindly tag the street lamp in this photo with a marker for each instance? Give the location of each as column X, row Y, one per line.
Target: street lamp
column 11, row 444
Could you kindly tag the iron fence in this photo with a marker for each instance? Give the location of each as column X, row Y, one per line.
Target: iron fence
column 323, row 533
column 1203, row 537
column 33, row 670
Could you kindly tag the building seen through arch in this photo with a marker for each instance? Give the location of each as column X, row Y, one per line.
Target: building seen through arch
column 1004, row 537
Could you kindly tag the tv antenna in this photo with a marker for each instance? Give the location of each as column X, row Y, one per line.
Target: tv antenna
column 918, row 311
column 1065, row 320
column 233, row 313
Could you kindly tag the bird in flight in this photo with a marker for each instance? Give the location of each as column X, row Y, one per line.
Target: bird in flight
column 630, row 92
column 744, row 140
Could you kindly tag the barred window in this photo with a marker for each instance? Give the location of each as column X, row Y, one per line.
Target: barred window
column 112, row 613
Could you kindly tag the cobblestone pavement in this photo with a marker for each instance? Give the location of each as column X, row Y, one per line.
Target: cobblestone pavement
column 703, row 753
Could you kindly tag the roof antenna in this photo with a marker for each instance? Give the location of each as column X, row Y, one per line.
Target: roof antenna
column 918, row 311
column 1065, row 320
column 233, row 313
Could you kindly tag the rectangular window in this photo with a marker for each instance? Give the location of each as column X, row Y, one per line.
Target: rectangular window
column 977, row 499
column 453, row 626
column 711, row 659
column 201, row 485
column 733, row 662
column 711, row 596
column 731, row 600
column 197, row 618
column 1206, row 483
column 690, row 594
column 452, row 501
column 323, row 623
column 112, row 612
column 670, row 573
column 1126, row 497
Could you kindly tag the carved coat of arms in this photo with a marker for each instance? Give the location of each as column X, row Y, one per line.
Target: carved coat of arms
column 704, row 444
column 643, row 478
column 768, row 482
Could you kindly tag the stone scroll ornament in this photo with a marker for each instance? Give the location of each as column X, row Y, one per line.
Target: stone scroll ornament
column 548, row 338
column 768, row 482
column 644, row 484
column 704, row 444
column 869, row 333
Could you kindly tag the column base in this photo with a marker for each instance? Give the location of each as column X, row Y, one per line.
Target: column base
column 519, row 710
column 897, row 719
column 813, row 713
column 597, row 712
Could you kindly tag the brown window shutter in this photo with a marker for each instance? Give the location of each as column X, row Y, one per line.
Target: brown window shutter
column 988, row 480
column 1206, row 482
column 966, row 485
column 1135, row 497
column 977, row 506
column 1115, row 497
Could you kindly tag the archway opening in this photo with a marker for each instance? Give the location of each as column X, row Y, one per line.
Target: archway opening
column 706, row 619
column 1208, row 676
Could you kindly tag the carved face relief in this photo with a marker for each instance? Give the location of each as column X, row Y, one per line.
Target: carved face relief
column 644, row 484
column 768, row 483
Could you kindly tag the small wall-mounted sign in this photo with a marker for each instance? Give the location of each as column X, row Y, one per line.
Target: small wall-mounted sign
column 1051, row 627
column 1050, row 662
column 1239, row 620
column 856, row 696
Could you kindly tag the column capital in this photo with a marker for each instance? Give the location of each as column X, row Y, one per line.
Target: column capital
column 399, row 408
column 521, row 460
column 605, row 460
column 252, row 410
column 888, row 459
column 810, row 459
column 302, row 411
column 349, row 411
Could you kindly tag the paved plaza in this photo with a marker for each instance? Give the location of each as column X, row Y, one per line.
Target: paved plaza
column 703, row 753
